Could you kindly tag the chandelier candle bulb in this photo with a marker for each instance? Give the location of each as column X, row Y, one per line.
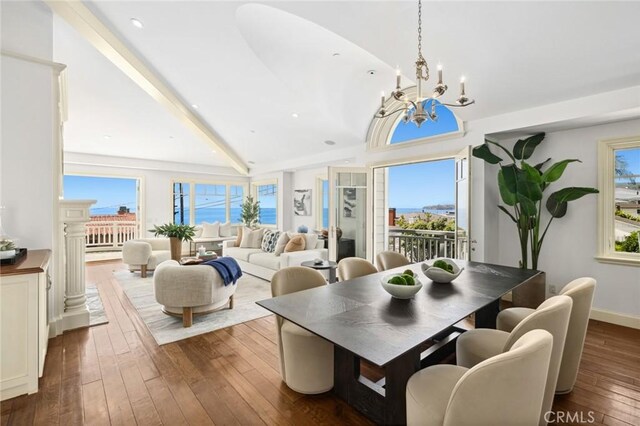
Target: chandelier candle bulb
column 398, row 78
column 439, row 74
column 382, row 100
column 462, row 85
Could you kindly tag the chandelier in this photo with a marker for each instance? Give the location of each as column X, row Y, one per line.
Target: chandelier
column 416, row 110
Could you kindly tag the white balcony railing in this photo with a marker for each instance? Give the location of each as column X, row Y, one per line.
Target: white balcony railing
column 109, row 235
column 419, row 245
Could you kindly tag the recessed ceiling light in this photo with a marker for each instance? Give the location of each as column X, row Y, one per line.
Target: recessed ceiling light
column 336, row 54
column 371, row 72
column 213, row 151
column 346, row 161
column 329, row 142
column 194, row 106
column 251, row 162
column 295, row 115
column 170, row 137
column 107, row 137
column 136, row 23
column 252, row 131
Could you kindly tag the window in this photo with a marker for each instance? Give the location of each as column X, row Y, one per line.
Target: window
column 236, row 197
column 407, row 132
column 619, row 221
column 392, row 132
column 181, row 203
column 322, row 203
column 210, row 203
column 267, row 194
column 195, row 202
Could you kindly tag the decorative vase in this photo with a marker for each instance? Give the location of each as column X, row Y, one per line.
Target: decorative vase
column 303, row 229
column 176, row 248
column 530, row 294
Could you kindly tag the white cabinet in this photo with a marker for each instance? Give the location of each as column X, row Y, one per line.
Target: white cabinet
column 24, row 330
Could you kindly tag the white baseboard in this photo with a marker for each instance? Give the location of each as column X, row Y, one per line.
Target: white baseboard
column 615, row 318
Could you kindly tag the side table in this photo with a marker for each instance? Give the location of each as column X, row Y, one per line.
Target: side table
column 325, row 265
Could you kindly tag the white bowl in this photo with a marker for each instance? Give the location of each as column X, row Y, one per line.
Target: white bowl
column 439, row 275
column 400, row 291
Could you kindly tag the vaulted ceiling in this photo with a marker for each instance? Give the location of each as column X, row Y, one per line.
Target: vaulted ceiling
column 249, row 67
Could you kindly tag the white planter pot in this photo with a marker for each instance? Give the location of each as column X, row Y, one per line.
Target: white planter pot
column 7, row 254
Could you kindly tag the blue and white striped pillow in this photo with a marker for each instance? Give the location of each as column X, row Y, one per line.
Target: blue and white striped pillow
column 269, row 241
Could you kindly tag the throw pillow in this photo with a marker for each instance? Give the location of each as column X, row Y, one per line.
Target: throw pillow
column 225, row 229
column 210, row 230
column 251, row 238
column 239, row 237
column 296, row 243
column 269, row 241
column 310, row 239
column 282, row 242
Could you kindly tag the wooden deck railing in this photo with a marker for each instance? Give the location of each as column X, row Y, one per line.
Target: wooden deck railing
column 109, row 235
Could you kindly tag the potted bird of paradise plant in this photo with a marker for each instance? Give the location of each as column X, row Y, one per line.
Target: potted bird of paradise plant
column 522, row 189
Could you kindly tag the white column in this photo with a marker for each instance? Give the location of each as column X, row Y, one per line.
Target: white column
column 74, row 214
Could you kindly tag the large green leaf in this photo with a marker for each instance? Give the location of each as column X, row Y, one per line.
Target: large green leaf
column 557, row 202
column 508, row 196
column 529, row 188
column 532, row 173
column 524, row 148
column 527, row 205
column 506, row 151
column 554, row 172
column 484, row 153
column 538, row 166
column 510, row 175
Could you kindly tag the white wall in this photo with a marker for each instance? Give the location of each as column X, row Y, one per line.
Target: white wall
column 307, row 179
column 156, row 183
column 26, row 157
column 570, row 246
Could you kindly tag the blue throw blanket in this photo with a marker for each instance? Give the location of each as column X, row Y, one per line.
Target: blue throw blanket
column 228, row 269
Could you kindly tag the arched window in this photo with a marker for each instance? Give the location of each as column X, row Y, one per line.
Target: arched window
column 392, row 132
column 406, row 132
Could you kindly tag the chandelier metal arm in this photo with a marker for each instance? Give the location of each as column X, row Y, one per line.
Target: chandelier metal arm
column 458, row 105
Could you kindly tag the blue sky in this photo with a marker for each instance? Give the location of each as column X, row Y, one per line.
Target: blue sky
column 422, row 184
column 408, row 131
column 111, row 193
column 632, row 158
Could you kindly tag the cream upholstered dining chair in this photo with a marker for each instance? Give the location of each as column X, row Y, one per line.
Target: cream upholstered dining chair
column 354, row 267
column 306, row 360
column 581, row 291
column 390, row 259
column 475, row 346
column 506, row 389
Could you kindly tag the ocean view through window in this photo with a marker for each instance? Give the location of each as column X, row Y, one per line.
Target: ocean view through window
column 211, row 202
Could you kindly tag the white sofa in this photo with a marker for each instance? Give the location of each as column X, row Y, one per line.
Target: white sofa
column 144, row 254
column 256, row 262
column 199, row 240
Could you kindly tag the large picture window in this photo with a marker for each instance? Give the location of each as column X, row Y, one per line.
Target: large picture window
column 196, row 202
column 267, row 194
column 620, row 200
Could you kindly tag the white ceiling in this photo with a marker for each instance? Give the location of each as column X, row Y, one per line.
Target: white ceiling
column 249, row 66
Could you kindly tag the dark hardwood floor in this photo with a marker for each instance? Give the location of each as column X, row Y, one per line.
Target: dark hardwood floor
column 117, row 374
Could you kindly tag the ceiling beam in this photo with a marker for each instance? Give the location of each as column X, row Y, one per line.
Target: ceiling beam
column 107, row 43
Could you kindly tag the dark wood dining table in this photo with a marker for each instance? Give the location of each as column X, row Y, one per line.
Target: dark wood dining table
column 364, row 322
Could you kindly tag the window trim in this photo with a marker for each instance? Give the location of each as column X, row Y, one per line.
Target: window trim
column 381, row 130
column 606, row 199
column 254, row 193
column 192, row 199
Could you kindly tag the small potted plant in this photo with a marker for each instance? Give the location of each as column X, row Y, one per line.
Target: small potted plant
column 176, row 234
column 250, row 213
column 7, row 249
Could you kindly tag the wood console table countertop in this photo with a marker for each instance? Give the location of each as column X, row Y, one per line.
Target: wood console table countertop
column 34, row 262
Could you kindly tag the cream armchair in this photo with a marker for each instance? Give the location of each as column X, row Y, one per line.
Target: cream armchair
column 581, row 291
column 506, row 389
column 185, row 291
column 552, row 315
column 306, row 360
column 354, row 267
column 144, row 254
column 390, row 259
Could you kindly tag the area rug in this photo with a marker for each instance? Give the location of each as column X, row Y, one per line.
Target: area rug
column 166, row 329
column 97, row 315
